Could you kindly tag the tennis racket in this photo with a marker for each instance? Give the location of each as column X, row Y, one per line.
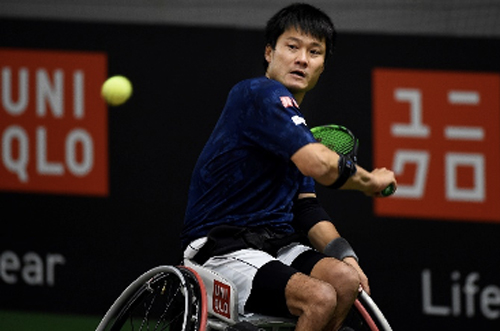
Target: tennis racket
column 340, row 139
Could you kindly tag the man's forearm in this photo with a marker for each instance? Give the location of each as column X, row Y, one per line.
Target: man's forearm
column 360, row 181
column 321, row 234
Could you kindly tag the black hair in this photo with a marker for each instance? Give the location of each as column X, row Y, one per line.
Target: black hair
column 306, row 18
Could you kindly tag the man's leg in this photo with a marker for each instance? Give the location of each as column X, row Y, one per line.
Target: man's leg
column 342, row 277
column 312, row 300
column 321, row 300
column 278, row 289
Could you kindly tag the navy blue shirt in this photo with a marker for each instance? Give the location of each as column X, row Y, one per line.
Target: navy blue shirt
column 244, row 175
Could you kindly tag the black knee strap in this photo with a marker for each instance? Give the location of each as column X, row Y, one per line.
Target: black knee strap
column 268, row 289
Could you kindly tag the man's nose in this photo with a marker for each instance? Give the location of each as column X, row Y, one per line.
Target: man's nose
column 302, row 57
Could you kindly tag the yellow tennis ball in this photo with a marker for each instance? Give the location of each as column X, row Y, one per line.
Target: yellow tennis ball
column 116, row 90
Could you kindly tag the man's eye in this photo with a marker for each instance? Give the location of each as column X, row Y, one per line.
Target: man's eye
column 292, row 47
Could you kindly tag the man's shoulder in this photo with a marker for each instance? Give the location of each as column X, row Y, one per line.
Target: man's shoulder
column 262, row 86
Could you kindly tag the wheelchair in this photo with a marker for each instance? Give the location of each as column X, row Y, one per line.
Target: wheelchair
column 190, row 297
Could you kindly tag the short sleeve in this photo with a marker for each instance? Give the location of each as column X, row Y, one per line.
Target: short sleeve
column 277, row 124
column 307, row 185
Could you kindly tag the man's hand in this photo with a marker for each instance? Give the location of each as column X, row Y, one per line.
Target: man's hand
column 371, row 183
column 364, row 280
column 382, row 176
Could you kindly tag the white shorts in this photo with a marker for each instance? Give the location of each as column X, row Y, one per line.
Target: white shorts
column 241, row 266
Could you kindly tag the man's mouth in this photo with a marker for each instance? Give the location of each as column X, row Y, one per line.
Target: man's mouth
column 299, row 73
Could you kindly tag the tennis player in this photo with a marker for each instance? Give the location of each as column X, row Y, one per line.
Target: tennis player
column 252, row 212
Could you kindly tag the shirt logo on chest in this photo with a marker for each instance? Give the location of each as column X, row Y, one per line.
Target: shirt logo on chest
column 289, row 102
column 297, row 120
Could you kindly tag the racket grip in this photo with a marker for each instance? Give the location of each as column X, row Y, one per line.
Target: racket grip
column 389, row 190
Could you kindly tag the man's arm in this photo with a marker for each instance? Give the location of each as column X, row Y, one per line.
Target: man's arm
column 322, row 164
column 319, row 162
column 321, row 234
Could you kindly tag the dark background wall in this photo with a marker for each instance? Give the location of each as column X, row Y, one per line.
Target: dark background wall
column 181, row 76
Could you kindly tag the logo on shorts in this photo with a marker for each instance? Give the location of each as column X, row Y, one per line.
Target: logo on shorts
column 221, row 299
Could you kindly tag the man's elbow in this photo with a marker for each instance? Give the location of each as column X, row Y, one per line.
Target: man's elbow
column 318, row 162
column 322, row 173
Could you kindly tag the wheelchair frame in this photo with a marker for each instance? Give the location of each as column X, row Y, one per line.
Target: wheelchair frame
column 207, row 301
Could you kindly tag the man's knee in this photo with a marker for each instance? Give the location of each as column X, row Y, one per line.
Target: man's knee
column 323, row 297
column 343, row 277
column 313, row 297
column 349, row 276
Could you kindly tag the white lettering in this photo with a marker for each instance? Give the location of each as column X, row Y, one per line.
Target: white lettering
column 415, row 128
column 35, row 269
column 464, row 133
column 469, row 296
column 78, row 153
column 51, row 93
column 489, row 297
column 456, row 302
column 48, row 92
column 14, row 108
column 428, row 307
column 9, row 265
column 470, row 289
column 421, row 160
column 16, row 165
column 45, row 167
column 464, row 97
column 78, row 95
column 221, row 292
column 221, row 307
column 478, row 192
column 52, row 261
column 82, row 137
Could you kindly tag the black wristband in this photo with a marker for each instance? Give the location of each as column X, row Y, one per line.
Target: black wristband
column 340, row 248
column 307, row 212
column 347, row 168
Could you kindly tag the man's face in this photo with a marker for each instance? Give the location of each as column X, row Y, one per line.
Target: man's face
column 297, row 61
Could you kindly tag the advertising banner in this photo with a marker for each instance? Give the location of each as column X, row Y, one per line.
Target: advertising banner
column 440, row 133
column 53, row 123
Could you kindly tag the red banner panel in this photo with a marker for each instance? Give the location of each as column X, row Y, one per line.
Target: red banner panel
column 53, row 122
column 440, row 133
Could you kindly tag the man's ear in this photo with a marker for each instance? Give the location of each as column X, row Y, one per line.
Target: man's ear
column 268, row 53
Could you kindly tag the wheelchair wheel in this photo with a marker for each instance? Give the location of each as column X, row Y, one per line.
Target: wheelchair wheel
column 199, row 303
column 366, row 316
column 164, row 298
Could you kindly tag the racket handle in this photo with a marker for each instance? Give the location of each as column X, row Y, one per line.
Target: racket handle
column 389, row 190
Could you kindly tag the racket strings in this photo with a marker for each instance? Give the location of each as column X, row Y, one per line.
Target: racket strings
column 339, row 141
